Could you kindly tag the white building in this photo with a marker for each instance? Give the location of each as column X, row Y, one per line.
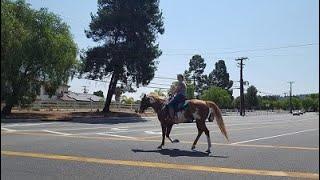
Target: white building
column 62, row 93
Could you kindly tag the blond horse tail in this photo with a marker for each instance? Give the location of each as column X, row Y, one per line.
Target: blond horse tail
column 215, row 111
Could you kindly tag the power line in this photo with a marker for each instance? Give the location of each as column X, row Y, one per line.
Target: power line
column 225, row 52
column 119, row 83
column 271, row 48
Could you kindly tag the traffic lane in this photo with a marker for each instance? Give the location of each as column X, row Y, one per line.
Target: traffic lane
column 224, row 156
column 151, row 122
column 189, row 132
column 235, row 133
column 308, row 139
column 129, row 122
column 28, row 168
column 75, row 124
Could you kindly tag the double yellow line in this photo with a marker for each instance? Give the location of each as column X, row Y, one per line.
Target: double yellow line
column 164, row 165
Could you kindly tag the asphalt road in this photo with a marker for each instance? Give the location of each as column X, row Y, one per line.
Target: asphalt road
column 278, row 146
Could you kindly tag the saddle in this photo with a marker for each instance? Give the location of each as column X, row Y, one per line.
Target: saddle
column 178, row 110
column 180, row 106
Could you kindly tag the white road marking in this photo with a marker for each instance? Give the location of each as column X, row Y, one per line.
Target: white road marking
column 28, row 124
column 119, row 129
column 270, row 137
column 75, row 129
column 56, row 132
column 9, row 130
column 240, row 124
column 115, row 135
column 152, row 132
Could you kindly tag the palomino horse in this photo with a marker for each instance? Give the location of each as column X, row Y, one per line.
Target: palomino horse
column 196, row 109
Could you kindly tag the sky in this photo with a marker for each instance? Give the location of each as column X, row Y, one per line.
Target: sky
column 280, row 38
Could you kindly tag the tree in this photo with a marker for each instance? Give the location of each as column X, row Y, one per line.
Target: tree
column 98, row 93
column 190, row 91
column 307, row 103
column 36, row 49
column 159, row 92
column 127, row 31
column 296, row 103
column 315, row 99
column 251, row 98
column 127, row 100
column 118, row 92
column 219, row 77
column 195, row 72
column 236, row 102
column 218, row 95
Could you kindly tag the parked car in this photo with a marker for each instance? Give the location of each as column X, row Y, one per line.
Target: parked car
column 297, row 112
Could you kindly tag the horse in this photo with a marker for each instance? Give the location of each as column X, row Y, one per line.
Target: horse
column 197, row 110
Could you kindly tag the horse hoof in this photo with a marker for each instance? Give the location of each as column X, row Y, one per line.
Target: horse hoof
column 176, row 141
column 208, row 151
column 193, row 147
column 159, row 147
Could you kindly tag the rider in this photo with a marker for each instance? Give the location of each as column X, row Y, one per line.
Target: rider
column 179, row 96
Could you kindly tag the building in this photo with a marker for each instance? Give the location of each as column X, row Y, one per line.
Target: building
column 63, row 94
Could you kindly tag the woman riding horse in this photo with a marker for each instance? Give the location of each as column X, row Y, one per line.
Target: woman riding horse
column 196, row 109
column 179, row 97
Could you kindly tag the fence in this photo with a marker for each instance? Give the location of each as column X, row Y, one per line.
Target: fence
column 75, row 106
column 94, row 106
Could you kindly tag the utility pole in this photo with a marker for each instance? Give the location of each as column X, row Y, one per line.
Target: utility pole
column 242, row 106
column 290, row 82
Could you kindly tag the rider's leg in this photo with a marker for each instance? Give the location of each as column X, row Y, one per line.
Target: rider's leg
column 171, row 112
column 171, row 107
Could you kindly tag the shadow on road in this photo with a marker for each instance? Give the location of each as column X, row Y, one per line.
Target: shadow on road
column 178, row 153
column 74, row 117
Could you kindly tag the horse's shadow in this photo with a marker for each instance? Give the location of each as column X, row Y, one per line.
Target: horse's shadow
column 178, row 153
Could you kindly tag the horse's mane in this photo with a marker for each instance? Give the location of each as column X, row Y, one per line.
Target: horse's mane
column 155, row 96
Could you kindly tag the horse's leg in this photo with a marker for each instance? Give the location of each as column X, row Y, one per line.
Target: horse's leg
column 200, row 131
column 196, row 140
column 206, row 131
column 169, row 127
column 163, row 136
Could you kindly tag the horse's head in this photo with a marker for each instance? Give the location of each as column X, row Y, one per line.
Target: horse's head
column 146, row 102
